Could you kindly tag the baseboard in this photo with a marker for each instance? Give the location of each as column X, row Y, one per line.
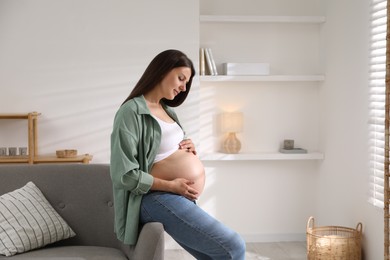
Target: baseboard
column 171, row 244
column 262, row 238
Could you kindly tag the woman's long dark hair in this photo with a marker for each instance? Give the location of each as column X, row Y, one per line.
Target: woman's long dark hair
column 158, row 68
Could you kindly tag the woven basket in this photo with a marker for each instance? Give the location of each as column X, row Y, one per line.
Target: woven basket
column 333, row 242
column 69, row 153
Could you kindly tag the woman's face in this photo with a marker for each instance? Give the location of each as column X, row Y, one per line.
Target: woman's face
column 175, row 82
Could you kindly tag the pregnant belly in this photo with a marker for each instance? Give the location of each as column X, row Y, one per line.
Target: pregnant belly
column 181, row 164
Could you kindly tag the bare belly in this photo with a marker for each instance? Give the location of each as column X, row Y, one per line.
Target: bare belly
column 181, row 164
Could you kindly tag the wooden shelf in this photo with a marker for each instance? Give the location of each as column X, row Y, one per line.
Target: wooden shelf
column 19, row 116
column 32, row 119
column 14, row 159
column 287, row 78
column 261, row 156
column 85, row 158
column 33, row 156
column 261, row 19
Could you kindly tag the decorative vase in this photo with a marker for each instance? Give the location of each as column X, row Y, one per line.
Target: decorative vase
column 231, row 144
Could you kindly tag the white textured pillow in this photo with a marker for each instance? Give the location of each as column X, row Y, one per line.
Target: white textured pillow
column 28, row 221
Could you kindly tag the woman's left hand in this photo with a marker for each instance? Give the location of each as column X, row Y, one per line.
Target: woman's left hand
column 188, row 145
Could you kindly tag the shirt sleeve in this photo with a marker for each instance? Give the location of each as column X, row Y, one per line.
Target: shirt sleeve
column 125, row 169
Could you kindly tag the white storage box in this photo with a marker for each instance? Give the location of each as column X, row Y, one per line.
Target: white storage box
column 236, row 69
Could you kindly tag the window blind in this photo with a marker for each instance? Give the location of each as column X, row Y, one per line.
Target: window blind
column 377, row 98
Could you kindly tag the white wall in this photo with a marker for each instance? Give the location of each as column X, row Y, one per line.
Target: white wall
column 342, row 182
column 76, row 61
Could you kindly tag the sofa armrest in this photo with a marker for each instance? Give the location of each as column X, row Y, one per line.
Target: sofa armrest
column 150, row 244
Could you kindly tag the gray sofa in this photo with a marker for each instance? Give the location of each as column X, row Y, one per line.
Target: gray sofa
column 82, row 195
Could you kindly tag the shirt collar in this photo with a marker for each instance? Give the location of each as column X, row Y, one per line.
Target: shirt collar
column 141, row 105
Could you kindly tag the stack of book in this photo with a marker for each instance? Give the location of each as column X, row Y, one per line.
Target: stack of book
column 207, row 63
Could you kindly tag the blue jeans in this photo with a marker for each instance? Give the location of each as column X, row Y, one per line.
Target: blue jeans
column 200, row 234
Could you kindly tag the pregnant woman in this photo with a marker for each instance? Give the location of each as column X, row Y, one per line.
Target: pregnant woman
column 156, row 173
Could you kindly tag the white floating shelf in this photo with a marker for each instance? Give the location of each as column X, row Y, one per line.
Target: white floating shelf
column 261, row 19
column 261, row 156
column 263, row 78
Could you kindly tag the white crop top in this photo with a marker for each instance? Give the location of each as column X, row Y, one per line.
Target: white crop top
column 171, row 136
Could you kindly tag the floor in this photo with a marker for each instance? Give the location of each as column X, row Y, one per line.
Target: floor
column 258, row 251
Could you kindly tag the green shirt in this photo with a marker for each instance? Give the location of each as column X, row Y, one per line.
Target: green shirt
column 135, row 140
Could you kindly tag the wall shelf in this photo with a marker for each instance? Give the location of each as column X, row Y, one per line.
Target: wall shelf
column 15, row 159
column 33, row 157
column 261, row 19
column 267, row 78
column 250, row 38
column 85, row 158
column 32, row 137
column 261, row 156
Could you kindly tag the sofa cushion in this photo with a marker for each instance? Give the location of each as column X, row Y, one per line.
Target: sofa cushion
column 73, row 253
column 28, row 221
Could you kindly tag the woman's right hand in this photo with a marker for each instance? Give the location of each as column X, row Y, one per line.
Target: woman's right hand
column 178, row 186
column 183, row 187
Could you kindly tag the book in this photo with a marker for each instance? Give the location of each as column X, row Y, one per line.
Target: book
column 213, row 66
column 202, row 65
column 208, row 61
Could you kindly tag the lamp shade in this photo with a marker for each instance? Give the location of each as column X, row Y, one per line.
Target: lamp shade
column 231, row 122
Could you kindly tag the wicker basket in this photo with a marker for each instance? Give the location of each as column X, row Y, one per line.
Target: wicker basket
column 69, row 153
column 333, row 242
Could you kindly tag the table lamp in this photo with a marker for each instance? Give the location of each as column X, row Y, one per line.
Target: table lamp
column 231, row 123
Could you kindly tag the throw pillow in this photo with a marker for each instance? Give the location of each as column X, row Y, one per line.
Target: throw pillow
column 28, row 221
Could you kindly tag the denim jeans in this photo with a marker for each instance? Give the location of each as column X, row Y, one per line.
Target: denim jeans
column 200, row 234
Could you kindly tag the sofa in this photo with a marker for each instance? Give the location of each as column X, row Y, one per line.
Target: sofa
column 82, row 195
